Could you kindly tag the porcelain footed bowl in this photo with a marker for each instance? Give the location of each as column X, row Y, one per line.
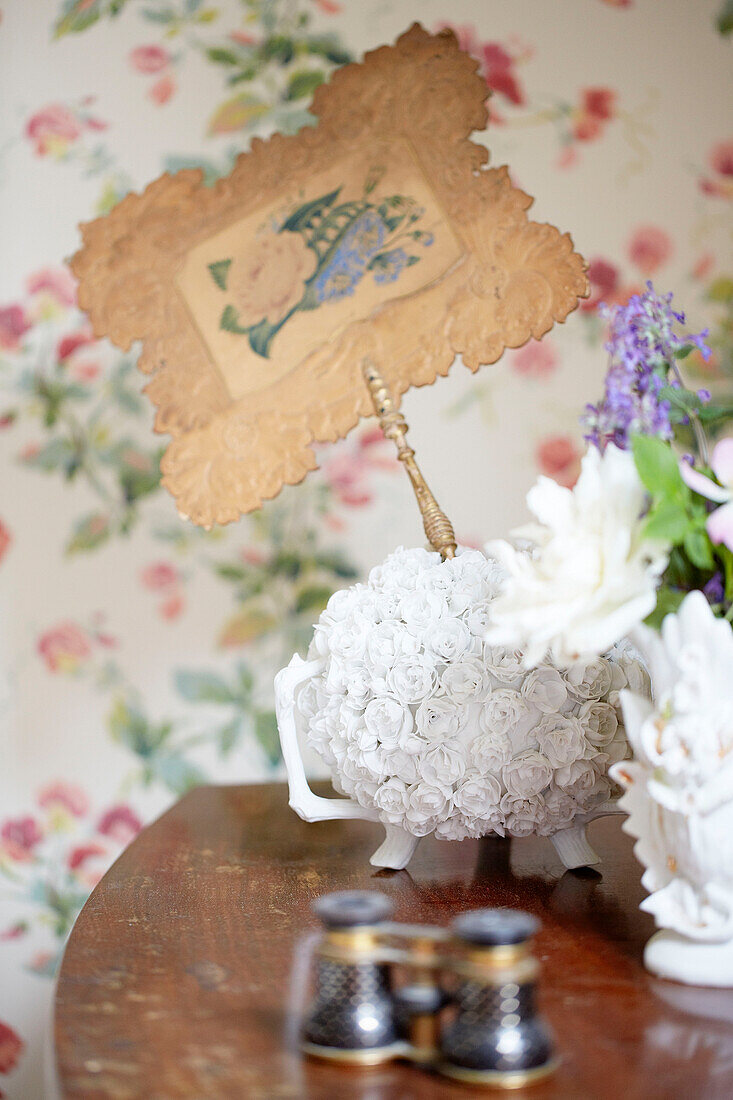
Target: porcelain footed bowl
column 428, row 729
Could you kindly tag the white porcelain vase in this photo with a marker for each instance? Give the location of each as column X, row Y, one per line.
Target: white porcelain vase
column 427, row 729
column 679, row 793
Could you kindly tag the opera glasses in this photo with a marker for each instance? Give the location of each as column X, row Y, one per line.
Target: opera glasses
column 465, row 1006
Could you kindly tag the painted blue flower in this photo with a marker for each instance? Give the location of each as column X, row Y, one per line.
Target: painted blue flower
column 346, row 268
column 393, row 263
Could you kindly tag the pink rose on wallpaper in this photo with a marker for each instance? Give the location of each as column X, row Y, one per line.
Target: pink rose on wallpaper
column 328, row 7
column 159, row 575
column 67, row 345
column 496, row 61
column 14, row 324
column 5, row 540
column 58, row 282
column 81, row 855
column 347, row 470
column 11, row 1048
column 597, row 107
column 120, row 824
column 604, row 280
column 162, row 90
column 64, row 647
column 720, row 183
column 21, row 834
column 60, row 795
column 53, row 129
column 537, row 359
column 649, row 248
column 558, row 457
column 149, row 59
column 162, row 577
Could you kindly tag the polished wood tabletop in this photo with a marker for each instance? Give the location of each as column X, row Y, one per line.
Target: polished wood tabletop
column 186, row 973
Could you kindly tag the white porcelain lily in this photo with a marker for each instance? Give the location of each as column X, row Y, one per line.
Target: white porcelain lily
column 720, row 522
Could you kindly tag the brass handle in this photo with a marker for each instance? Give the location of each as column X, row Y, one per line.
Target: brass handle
column 438, row 527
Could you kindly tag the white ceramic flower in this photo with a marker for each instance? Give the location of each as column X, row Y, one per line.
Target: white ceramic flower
column 679, row 786
column 592, row 577
column 439, row 718
column 432, row 730
column 466, row 680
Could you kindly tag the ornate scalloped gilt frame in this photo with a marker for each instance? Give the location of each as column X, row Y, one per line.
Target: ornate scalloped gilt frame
column 513, row 280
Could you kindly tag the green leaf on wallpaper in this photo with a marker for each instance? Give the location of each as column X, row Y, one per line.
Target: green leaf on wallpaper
column 304, row 83
column 59, row 454
column 229, row 321
column 246, row 626
column 278, row 47
column 221, row 56
column 219, row 272
column 176, row 773
column 228, row 736
column 328, row 47
column 267, row 734
column 724, row 18
column 88, row 533
column 202, row 687
column 313, row 598
column 236, row 113
column 721, row 289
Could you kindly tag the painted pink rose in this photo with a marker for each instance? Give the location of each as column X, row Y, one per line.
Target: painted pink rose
column 80, row 856
column 172, row 607
column 11, row 1048
column 537, row 359
column 149, row 59
column 21, row 833
column 498, row 71
column 649, row 248
column 5, row 540
column 64, row 647
column 64, row 796
column 14, row 324
column 159, row 575
column 58, row 282
column 604, row 280
column 720, row 184
column 53, row 129
column 120, row 824
column 558, row 457
column 268, row 279
column 597, row 107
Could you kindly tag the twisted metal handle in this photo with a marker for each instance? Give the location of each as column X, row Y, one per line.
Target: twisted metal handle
column 438, row 527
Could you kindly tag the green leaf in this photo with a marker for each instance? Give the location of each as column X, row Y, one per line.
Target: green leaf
column 236, row 113
column 176, row 773
column 313, row 598
column 230, row 322
column 328, row 46
column 304, row 83
column 667, row 523
column 246, row 626
column 261, row 336
column 202, row 687
column 712, row 413
column 657, row 467
column 303, row 216
column 221, row 56
column 89, row 533
column 229, row 735
column 721, row 289
column 699, row 548
column 267, row 734
column 335, row 562
column 684, row 351
column 219, row 272
column 230, row 572
column 668, row 601
column 278, row 47
column 59, row 454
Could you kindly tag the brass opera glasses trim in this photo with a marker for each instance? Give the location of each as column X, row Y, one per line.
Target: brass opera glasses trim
column 481, row 969
column 438, row 527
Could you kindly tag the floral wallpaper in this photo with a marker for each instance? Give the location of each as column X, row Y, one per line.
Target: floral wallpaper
column 137, row 652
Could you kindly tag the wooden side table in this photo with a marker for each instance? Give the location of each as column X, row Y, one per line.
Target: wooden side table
column 185, row 973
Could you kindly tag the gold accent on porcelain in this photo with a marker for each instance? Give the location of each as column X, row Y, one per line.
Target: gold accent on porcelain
column 372, row 1057
column 438, row 527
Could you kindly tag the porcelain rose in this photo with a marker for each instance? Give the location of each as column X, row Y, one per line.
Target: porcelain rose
column 679, row 786
column 437, row 731
column 268, row 280
column 591, row 577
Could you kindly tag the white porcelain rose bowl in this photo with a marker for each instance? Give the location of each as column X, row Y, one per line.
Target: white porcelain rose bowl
column 428, row 729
